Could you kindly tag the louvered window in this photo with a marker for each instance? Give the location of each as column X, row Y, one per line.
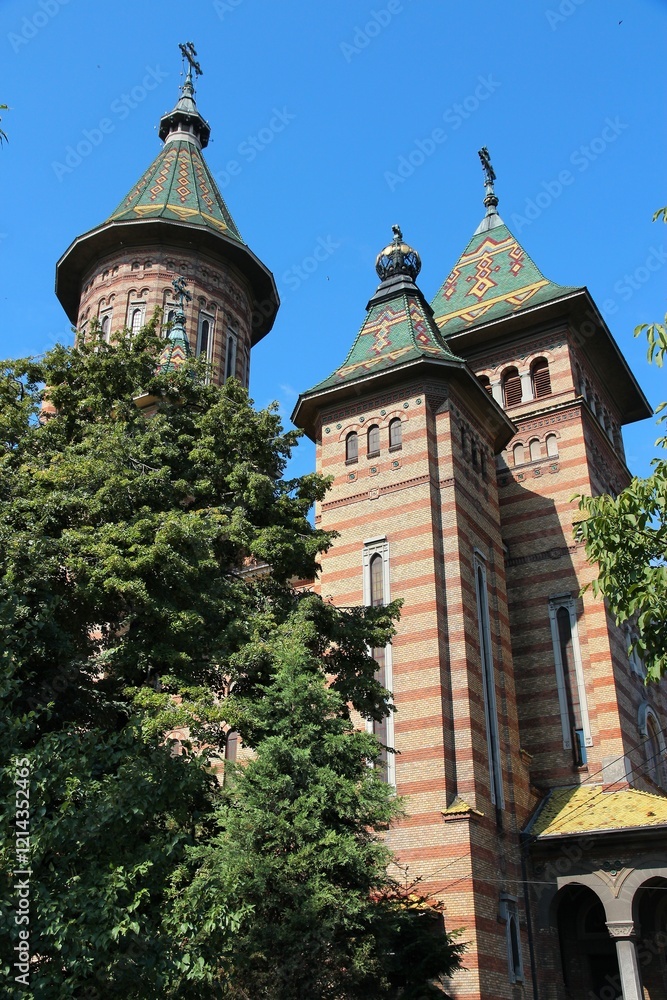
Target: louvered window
column 541, row 379
column 374, row 440
column 351, row 447
column 484, row 379
column 512, row 387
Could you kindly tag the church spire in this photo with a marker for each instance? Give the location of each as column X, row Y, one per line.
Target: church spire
column 185, row 121
column 491, row 219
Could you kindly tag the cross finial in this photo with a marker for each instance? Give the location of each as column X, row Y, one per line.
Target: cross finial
column 398, row 235
column 491, row 200
column 182, row 296
column 189, row 52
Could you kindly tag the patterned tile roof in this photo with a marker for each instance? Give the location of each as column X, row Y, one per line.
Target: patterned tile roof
column 397, row 329
column 493, row 277
column 585, row 808
column 179, row 186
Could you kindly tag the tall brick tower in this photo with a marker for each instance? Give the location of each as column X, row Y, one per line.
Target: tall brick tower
column 174, row 222
column 409, row 435
column 527, row 746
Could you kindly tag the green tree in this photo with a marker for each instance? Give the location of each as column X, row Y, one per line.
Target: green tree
column 126, row 615
column 627, row 537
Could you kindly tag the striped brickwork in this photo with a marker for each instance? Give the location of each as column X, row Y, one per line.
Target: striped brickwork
column 435, row 501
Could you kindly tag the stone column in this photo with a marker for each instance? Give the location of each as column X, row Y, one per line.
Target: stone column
column 628, row 966
column 497, row 391
column 526, row 386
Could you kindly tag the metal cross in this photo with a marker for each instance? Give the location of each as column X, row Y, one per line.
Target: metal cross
column 189, row 52
column 489, row 172
column 183, row 296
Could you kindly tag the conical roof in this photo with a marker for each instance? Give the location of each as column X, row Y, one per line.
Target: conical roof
column 179, row 186
column 398, row 335
column 494, row 276
column 399, row 323
column 176, row 203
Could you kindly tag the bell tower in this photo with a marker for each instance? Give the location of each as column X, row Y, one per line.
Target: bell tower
column 173, row 223
column 410, row 435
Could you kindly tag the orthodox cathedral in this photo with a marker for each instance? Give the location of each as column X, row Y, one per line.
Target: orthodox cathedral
column 528, row 749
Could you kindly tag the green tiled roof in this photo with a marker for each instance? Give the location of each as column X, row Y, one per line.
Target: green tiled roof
column 396, row 330
column 585, row 808
column 494, row 277
column 179, row 186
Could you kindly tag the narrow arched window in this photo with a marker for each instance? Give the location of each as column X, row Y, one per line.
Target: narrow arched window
column 552, row 445
column 377, row 580
column 351, row 447
column 573, row 701
column 519, row 454
column 654, row 751
column 535, row 450
column 373, row 440
column 541, row 378
column 230, row 357
column 135, row 265
column 395, row 433
column 511, row 387
column 203, row 339
column 135, row 324
column 106, row 324
column 486, row 382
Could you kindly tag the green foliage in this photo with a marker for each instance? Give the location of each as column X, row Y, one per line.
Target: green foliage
column 126, row 615
column 627, row 537
column 297, row 843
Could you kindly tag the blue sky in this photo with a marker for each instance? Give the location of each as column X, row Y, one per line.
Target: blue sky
column 320, row 106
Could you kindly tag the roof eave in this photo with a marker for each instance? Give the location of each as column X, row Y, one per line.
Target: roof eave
column 579, row 301
column 305, row 412
column 111, row 236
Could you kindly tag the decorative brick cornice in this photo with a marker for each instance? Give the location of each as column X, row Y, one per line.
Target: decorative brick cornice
column 557, row 552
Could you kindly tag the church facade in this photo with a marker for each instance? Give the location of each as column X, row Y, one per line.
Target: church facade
column 525, row 743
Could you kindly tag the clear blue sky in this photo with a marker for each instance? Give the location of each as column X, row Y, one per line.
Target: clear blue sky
column 334, row 96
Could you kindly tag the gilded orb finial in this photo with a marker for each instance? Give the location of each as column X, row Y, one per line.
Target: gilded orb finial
column 398, row 258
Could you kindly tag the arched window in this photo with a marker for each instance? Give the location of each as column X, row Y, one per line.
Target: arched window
column 655, row 750
column 135, row 265
column 519, row 454
column 552, row 446
column 147, row 264
column 573, row 705
column 135, row 323
column 377, row 580
column 106, row 325
column 203, row 339
column 511, row 387
column 535, row 450
column 486, row 382
column 351, row 447
column 373, row 440
column 395, row 433
column 541, row 378
column 230, row 356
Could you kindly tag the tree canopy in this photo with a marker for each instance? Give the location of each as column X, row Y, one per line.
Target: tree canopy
column 627, row 537
column 131, row 612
